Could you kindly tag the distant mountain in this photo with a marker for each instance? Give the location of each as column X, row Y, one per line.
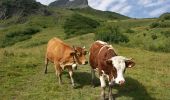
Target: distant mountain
column 70, row 3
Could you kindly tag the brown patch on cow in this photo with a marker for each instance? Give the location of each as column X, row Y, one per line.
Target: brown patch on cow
column 99, row 55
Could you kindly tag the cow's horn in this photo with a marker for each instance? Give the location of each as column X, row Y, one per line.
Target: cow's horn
column 74, row 47
column 128, row 58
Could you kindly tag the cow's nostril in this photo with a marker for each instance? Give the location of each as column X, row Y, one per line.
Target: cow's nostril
column 86, row 62
column 121, row 82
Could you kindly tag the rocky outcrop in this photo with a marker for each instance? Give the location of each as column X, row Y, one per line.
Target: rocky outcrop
column 70, row 3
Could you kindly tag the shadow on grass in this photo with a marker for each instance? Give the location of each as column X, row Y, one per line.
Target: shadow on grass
column 133, row 89
column 84, row 78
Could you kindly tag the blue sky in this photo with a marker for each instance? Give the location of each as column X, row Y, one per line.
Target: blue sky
column 131, row 8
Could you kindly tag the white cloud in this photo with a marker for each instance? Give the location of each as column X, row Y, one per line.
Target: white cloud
column 46, row 2
column 159, row 11
column 122, row 8
column 126, row 10
column 144, row 2
column 160, row 2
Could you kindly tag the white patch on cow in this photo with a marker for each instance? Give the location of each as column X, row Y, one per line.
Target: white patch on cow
column 102, row 81
column 119, row 63
column 101, row 42
column 96, row 69
column 74, row 66
column 68, row 64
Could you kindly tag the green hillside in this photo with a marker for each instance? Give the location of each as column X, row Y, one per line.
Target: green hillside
column 23, row 46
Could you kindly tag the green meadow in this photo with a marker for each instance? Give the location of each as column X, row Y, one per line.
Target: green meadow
column 23, row 47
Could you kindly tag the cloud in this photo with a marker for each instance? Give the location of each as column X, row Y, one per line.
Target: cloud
column 46, row 2
column 159, row 11
column 144, row 2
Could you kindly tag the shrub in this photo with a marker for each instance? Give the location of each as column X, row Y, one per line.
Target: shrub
column 160, row 24
column 110, row 34
column 166, row 33
column 78, row 24
column 130, row 31
column 15, row 36
column 154, row 36
column 154, row 24
column 165, row 16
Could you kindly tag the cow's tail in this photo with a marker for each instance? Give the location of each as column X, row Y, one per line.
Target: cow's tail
column 46, row 64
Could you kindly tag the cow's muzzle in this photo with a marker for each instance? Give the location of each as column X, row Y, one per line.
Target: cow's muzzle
column 86, row 62
column 122, row 82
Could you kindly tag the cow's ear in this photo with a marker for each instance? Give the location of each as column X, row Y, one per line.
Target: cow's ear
column 109, row 61
column 86, row 52
column 72, row 53
column 129, row 63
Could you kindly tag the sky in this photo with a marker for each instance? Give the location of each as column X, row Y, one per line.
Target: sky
column 131, row 8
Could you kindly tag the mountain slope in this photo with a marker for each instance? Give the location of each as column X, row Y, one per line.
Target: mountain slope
column 22, row 8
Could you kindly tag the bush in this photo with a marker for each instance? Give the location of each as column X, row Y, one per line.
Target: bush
column 154, row 36
column 110, row 34
column 166, row 33
column 78, row 24
column 154, row 24
column 160, row 24
column 15, row 36
column 130, row 31
column 165, row 16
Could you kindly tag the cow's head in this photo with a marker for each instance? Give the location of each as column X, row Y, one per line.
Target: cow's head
column 120, row 63
column 79, row 55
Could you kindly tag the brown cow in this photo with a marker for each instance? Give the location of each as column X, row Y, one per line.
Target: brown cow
column 109, row 65
column 64, row 57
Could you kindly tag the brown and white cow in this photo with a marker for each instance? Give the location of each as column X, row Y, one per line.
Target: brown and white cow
column 109, row 65
column 64, row 57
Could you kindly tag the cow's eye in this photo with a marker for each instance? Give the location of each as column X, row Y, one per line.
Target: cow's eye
column 78, row 54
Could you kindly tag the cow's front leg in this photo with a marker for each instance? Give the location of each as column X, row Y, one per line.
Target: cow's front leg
column 71, row 76
column 110, row 91
column 103, row 85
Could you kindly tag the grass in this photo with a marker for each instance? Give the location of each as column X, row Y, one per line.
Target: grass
column 22, row 74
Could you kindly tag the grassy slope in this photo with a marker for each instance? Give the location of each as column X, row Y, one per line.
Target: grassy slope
column 22, row 73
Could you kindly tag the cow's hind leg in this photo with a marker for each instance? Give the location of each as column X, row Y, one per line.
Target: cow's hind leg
column 103, row 85
column 71, row 76
column 58, row 72
column 93, row 76
column 46, row 64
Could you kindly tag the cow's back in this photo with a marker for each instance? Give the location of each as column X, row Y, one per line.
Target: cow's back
column 56, row 49
column 94, row 50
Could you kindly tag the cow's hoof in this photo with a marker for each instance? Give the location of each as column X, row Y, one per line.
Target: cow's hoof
column 73, row 86
column 102, row 98
column 111, row 98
